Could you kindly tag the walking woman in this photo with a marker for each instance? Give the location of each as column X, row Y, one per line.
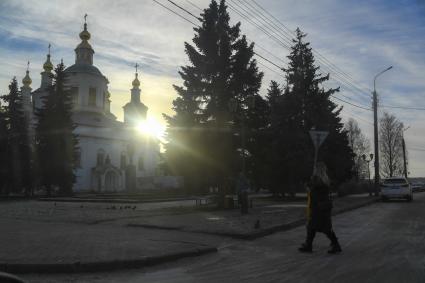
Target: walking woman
column 319, row 211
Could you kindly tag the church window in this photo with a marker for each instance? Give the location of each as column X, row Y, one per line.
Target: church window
column 141, row 164
column 123, row 162
column 92, row 96
column 74, row 95
column 100, row 157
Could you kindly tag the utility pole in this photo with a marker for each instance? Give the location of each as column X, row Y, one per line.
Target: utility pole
column 375, row 129
column 404, row 158
column 375, row 134
column 404, row 152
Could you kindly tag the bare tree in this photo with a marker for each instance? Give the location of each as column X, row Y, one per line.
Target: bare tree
column 360, row 145
column 391, row 148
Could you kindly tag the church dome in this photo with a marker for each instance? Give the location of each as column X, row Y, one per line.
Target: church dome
column 136, row 82
column 48, row 66
column 85, row 35
column 27, row 80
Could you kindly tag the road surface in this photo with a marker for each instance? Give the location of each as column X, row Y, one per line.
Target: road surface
column 384, row 242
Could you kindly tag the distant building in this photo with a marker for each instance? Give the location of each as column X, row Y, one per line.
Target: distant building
column 112, row 154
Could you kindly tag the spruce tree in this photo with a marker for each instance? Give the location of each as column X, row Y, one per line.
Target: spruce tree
column 203, row 132
column 56, row 144
column 17, row 144
column 306, row 104
column 4, row 166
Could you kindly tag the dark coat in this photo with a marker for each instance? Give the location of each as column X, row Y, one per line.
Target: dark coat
column 320, row 207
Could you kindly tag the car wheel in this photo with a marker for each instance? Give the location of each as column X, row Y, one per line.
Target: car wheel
column 384, row 199
column 409, row 198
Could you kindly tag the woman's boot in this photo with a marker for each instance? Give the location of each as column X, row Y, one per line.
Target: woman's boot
column 335, row 247
column 307, row 247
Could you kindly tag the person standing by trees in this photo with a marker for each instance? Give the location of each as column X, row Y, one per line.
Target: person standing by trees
column 319, row 211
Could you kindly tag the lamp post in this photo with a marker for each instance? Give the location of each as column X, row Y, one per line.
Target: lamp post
column 375, row 129
column 242, row 182
column 368, row 168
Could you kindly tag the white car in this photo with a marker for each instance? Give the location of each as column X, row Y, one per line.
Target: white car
column 396, row 187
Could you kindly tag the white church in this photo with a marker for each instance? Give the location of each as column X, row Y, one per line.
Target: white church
column 113, row 155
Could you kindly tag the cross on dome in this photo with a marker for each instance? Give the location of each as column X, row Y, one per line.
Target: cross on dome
column 27, row 80
column 136, row 82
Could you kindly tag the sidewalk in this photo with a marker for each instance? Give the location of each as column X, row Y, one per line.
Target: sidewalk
column 72, row 237
column 263, row 219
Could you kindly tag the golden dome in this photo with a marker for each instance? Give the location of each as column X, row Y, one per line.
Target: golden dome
column 48, row 66
column 27, row 80
column 85, row 35
column 136, row 82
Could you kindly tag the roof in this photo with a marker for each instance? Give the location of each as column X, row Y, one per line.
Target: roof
column 84, row 68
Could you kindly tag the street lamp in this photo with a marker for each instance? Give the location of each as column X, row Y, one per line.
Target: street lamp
column 375, row 129
column 368, row 168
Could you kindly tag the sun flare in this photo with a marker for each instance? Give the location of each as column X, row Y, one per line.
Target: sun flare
column 151, row 127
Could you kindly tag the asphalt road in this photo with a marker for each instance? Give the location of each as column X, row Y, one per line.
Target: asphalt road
column 384, row 242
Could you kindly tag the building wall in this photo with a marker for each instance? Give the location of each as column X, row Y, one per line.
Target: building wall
column 114, row 143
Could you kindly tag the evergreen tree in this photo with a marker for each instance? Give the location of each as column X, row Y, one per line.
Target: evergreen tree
column 306, row 104
column 56, row 144
column 17, row 143
column 4, row 166
column 202, row 132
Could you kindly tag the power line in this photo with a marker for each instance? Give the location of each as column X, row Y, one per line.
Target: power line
column 352, row 104
column 175, row 13
column 291, row 33
column 181, row 8
column 285, row 43
column 337, row 72
column 262, row 57
column 403, row 107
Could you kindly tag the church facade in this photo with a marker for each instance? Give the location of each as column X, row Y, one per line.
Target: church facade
column 113, row 155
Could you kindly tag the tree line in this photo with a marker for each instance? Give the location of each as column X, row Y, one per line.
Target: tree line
column 44, row 158
column 222, row 125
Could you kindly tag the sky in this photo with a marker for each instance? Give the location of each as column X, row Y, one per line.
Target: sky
column 353, row 40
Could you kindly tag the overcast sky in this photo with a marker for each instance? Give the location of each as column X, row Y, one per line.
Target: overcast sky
column 359, row 37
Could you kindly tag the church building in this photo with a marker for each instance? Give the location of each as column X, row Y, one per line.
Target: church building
column 113, row 155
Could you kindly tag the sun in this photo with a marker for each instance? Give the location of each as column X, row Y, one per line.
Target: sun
column 151, row 127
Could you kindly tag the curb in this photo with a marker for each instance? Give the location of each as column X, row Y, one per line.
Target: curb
column 257, row 234
column 101, row 265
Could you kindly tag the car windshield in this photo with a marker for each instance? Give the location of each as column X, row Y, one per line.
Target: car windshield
column 395, row 181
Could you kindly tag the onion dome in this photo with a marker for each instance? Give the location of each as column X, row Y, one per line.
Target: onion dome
column 48, row 66
column 85, row 35
column 136, row 82
column 27, row 80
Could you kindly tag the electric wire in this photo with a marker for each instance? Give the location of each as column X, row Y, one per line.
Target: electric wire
column 260, row 56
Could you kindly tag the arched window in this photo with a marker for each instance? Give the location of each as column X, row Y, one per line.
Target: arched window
column 100, row 157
